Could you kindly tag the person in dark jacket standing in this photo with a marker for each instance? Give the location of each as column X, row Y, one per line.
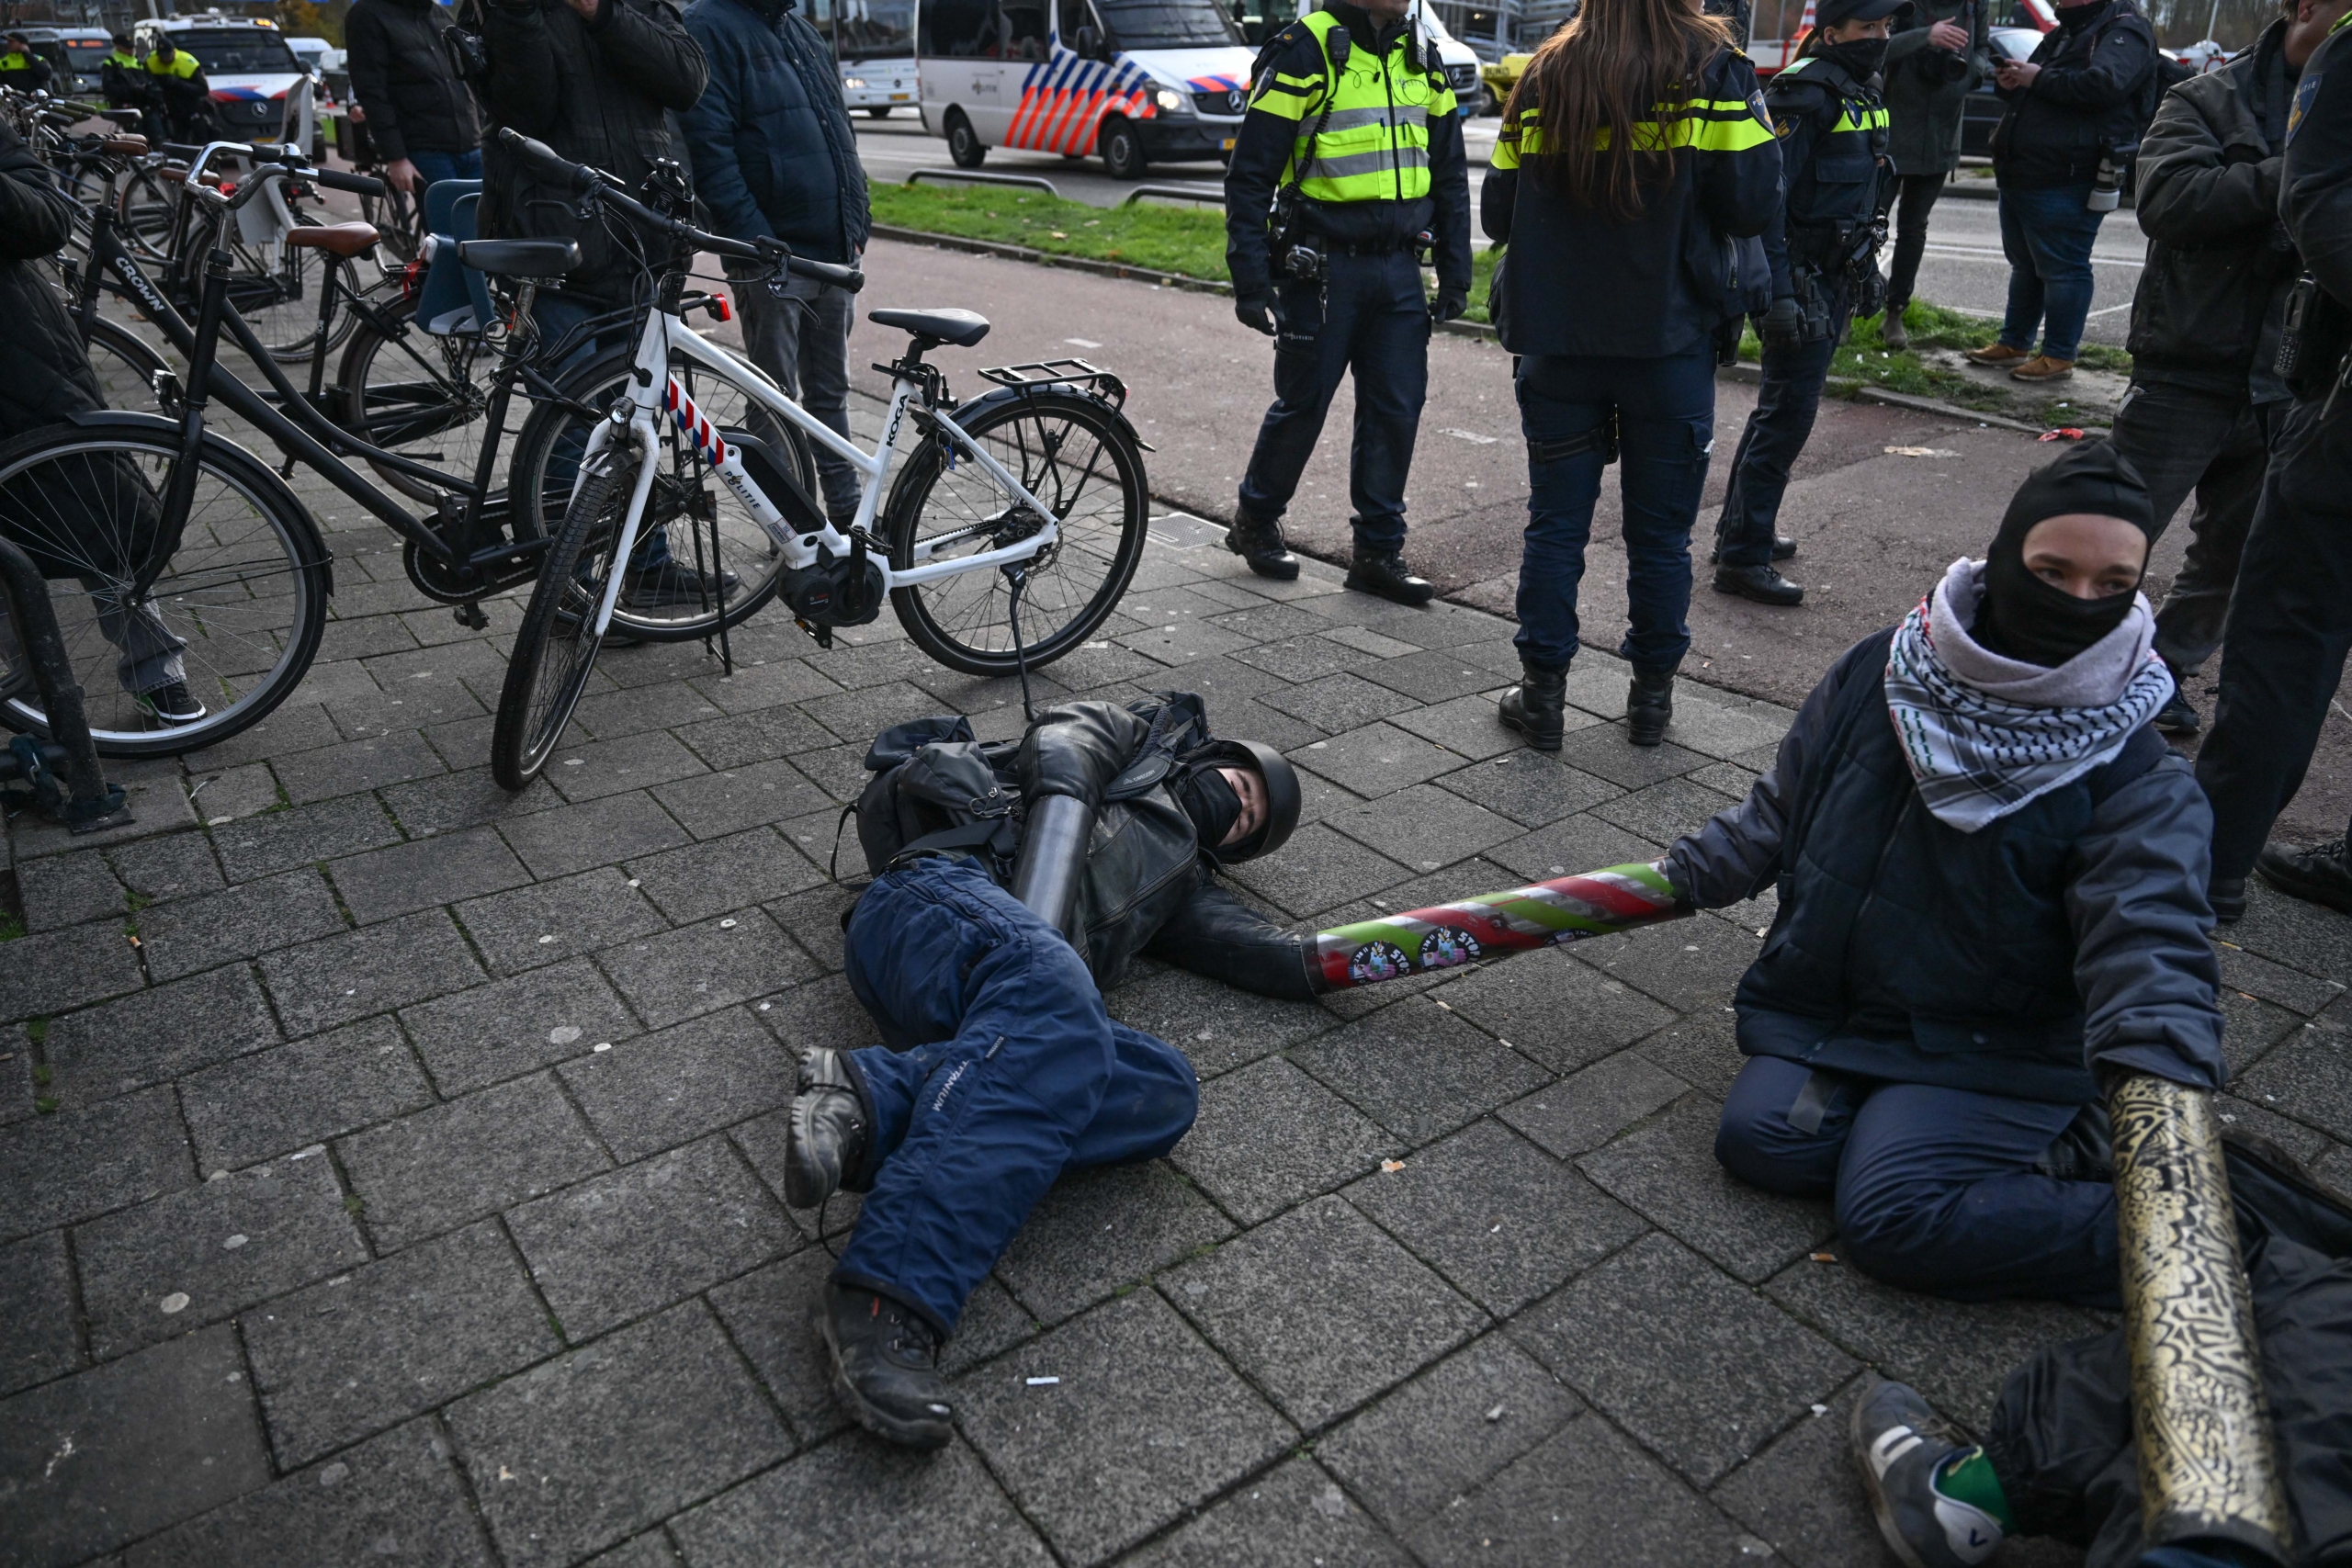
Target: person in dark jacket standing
column 1822, row 246
column 1000, row 1067
column 1938, row 51
column 2291, row 619
column 2205, row 401
column 1635, row 168
column 1991, row 877
column 421, row 118
column 1351, row 150
column 2075, row 114
column 775, row 156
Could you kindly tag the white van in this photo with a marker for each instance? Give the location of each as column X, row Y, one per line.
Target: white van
column 1138, row 81
column 874, row 49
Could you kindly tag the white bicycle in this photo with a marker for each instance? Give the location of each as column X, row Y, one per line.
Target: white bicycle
column 1027, row 504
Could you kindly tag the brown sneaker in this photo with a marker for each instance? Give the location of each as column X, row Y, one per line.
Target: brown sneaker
column 2042, row 368
column 1997, row 353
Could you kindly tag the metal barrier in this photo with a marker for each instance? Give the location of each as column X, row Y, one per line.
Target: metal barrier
column 973, row 176
column 1174, row 192
column 85, row 802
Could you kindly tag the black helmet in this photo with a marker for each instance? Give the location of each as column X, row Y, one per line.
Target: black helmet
column 1282, row 793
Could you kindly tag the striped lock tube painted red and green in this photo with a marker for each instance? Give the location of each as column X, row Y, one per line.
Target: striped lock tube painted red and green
column 1493, row 925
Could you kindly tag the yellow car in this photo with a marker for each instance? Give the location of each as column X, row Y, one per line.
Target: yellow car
column 1501, row 77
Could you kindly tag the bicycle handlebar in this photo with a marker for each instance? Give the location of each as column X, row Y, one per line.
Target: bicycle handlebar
column 335, row 179
column 581, row 179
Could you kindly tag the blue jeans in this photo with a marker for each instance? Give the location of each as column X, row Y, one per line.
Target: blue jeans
column 2048, row 235
column 1935, row 1188
column 1002, row 1072
column 1372, row 319
column 1787, row 400
column 1665, row 411
column 435, row 167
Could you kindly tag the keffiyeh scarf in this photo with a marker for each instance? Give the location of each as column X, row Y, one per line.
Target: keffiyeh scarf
column 1985, row 736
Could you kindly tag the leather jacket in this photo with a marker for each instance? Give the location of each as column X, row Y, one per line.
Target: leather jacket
column 1150, row 887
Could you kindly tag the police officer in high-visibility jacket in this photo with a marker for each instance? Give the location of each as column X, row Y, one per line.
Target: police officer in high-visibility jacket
column 21, row 68
column 1348, row 174
column 1824, row 250
column 122, row 78
column 183, row 94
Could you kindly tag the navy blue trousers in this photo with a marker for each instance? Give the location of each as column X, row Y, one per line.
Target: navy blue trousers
column 1787, row 400
column 1000, row 1071
column 1665, row 411
column 1935, row 1188
column 1370, row 318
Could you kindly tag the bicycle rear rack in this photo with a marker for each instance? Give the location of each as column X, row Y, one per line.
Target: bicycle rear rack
column 1058, row 373
column 81, row 798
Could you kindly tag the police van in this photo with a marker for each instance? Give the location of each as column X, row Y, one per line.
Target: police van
column 873, row 44
column 254, row 75
column 73, row 54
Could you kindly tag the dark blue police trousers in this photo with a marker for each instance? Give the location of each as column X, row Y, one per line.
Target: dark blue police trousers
column 1788, row 399
column 1000, row 1071
column 1372, row 319
column 1935, row 1188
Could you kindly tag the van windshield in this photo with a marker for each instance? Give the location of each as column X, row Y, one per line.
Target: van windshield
column 1168, row 24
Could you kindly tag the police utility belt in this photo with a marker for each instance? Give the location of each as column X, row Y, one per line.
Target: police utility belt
column 1817, row 254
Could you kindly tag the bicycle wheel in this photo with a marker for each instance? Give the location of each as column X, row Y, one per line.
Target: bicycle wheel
column 1071, row 453
column 126, row 365
column 280, row 301
column 547, row 455
column 555, row 648
column 234, row 615
column 419, row 395
column 144, row 210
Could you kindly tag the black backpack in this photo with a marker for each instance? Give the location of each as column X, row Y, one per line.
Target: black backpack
column 936, row 787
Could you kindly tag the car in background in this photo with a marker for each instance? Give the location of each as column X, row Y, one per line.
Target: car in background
column 246, row 61
column 1456, row 57
column 74, row 56
column 877, row 86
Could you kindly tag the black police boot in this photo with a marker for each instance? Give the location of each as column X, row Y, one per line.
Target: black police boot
column 1260, row 542
column 2227, row 896
column 1760, row 583
column 1385, row 573
column 1532, row 707
column 1649, row 706
column 2321, row 873
column 2177, row 718
column 825, row 1135
column 1783, row 548
column 886, row 1367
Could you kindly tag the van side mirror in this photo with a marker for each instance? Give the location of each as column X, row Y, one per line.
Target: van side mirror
column 1090, row 42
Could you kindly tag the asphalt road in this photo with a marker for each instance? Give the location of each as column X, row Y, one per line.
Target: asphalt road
column 1964, row 269
column 1881, row 501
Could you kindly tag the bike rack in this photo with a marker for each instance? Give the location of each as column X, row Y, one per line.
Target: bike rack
column 1174, row 192
column 85, row 802
column 1030, row 182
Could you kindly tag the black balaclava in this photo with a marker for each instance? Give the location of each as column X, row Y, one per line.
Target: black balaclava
column 1861, row 57
column 1208, row 800
column 2021, row 617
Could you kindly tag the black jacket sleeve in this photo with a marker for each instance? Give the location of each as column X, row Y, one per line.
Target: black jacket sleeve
column 1077, row 749
column 647, row 46
column 524, row 88
column 2116, row 67
column 1289, row 88
column 2315, row 190
column 1801, row 112
column 1449, row 189
column 1738, row 174
column 1218, row 935
column 2188, row 194
column 369, row 49
column 36, row 218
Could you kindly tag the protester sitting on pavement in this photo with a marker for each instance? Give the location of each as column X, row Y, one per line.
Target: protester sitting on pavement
column 421, row 118
column 1991, row 877
column 1935, row 57
column 598, row 82
column 1001, row 1068
column 45, row 377
column 2206, row 401
column 1634, row 169
column 775, row 156
column 2075, row 113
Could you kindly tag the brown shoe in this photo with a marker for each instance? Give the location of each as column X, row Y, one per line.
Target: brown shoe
column 2042, row 368
column 1997, row 353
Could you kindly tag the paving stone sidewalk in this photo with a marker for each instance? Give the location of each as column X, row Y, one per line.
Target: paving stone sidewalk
column 389, row 1167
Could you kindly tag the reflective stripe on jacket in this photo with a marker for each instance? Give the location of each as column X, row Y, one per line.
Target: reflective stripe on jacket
column 1374, row 143
column 1833, row 133
column 181, row 66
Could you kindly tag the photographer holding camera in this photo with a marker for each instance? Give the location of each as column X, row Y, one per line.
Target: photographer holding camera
column 1935, row 57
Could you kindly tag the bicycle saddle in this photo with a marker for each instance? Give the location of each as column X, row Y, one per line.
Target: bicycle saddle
column 960, row 328
column 520, row 258
column 337, row 239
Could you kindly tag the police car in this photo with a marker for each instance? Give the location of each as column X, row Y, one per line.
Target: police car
column 245, row 59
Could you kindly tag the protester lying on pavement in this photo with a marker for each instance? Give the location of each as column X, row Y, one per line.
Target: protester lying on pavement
column 1991, row 880
column 1000, row 1068
column 2059, row 1457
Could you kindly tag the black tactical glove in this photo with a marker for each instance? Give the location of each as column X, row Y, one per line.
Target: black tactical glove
column 1449, row 304
column 1255, row 310
column 1784, row 325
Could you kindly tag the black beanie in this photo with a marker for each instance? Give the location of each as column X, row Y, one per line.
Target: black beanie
column 2020, row 616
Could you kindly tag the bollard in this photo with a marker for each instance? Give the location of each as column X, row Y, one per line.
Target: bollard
column 2209, row 1460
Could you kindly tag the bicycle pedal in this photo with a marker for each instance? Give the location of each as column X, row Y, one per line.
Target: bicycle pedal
column 470, row 615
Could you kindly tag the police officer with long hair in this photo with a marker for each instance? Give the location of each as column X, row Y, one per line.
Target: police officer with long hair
column 1824, row 250
column 1634, row 166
